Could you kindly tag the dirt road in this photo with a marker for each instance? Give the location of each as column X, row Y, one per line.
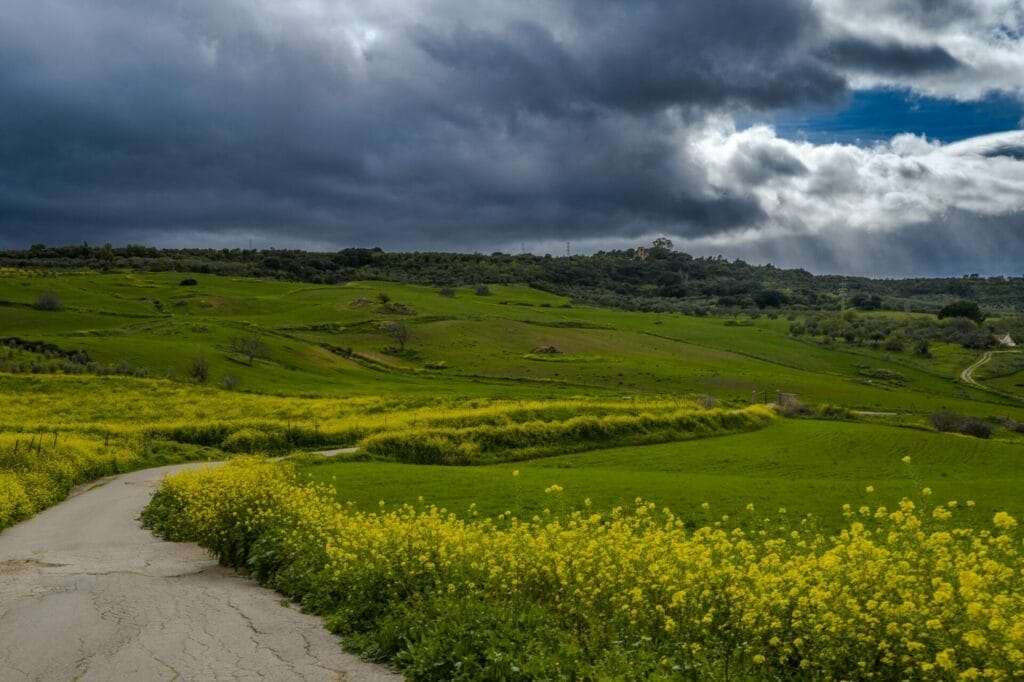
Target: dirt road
column 87, row 594
column 967, row 376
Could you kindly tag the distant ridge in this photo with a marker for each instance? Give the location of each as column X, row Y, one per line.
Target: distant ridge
column 653, row 278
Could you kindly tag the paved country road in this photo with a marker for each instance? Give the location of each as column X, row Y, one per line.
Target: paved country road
column 87, row 594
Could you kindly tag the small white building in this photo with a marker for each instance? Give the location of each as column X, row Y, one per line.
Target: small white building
column 1005, row 340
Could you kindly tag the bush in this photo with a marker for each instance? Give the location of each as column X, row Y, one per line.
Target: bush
column 189, row 282
column 199, row 370
column 1011, row 424
column 975, row 427
column 794, row 408
column 48, row 301
column 253, row 440
column 482, row 290
column 893, row 343
column 946, row 420
column 827, row 411
column 447, row 292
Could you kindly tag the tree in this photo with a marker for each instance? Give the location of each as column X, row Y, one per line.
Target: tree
column 968, row 309
column 398, row 331
column 249, row 347
column 662, row 243
column 770, row 298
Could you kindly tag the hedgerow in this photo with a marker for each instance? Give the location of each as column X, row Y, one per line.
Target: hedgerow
column 523, row 440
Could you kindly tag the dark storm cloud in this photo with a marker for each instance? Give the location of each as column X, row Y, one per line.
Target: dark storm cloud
column 145, row 118
column 756, row 54
column 889, row 58
column 433, row 124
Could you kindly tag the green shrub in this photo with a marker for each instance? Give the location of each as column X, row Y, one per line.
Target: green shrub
column 48, row 301
column 827, row 411
column 975, row 427
column 946, row 420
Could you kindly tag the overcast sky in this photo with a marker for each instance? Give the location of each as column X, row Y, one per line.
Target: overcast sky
column 879, row 137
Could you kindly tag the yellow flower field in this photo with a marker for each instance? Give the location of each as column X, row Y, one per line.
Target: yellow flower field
column 902, row 593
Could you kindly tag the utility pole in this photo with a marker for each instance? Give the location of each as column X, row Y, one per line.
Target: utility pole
column 567, row 249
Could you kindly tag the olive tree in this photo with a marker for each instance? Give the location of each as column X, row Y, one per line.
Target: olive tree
column 399, row 332
column 249, row 347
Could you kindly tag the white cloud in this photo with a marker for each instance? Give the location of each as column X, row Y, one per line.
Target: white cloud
column 843, row 187
column 985, row 36
column 836, row 197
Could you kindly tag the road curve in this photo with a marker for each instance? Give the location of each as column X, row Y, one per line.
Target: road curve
column 967, row 376
column 87, row 594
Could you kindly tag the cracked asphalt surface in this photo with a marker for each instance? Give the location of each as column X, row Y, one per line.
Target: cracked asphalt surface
column 87, row 594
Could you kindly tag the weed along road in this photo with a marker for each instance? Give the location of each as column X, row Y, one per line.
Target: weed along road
column 87, row 594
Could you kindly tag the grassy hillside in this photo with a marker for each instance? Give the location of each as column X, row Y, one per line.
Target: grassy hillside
column 327, row 340
column 328, row 379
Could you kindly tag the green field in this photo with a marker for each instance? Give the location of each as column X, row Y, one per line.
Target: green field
column 804, row 466
column 326, row 349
